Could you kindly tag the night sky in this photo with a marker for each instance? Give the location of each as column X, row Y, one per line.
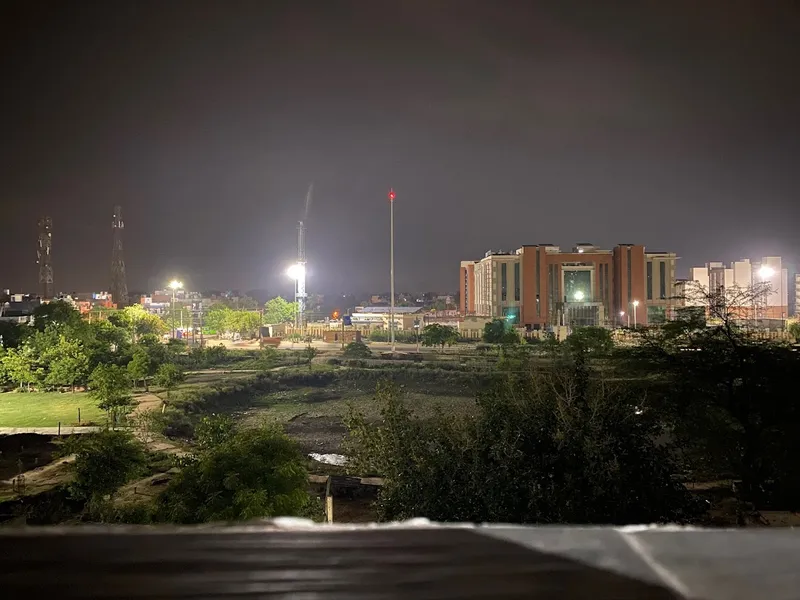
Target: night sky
column 498, row 123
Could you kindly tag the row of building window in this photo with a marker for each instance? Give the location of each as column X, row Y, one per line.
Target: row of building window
column 504, row 282
column 662, row 279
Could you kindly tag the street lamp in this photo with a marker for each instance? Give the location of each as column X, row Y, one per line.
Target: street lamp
column 174, row 286
column 635, row 304
column 622, row 315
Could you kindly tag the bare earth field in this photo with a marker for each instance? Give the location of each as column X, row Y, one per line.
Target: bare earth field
column 315, row 417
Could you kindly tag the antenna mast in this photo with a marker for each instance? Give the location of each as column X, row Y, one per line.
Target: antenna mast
column 119, row 284
column 44, row 258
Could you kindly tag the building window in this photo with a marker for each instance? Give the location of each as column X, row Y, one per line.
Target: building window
column 538, row 285
column 553, row 291
column 630, row 283
column 662, row 276
column 650, row 279
column 577, row 285
column 602, row 284
column 656, row 315
column 503, row 282
column 516, row 282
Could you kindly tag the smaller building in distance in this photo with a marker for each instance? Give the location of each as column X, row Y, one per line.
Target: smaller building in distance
column 742, row 275
column 18, row 308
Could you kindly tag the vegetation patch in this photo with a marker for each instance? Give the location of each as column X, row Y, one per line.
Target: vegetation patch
column 48, row 409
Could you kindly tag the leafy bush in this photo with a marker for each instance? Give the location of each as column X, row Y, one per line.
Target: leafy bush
column 256, row 473
column 357, row 350
column 104, row 461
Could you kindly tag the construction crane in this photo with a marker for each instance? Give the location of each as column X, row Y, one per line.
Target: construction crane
column 298, row 270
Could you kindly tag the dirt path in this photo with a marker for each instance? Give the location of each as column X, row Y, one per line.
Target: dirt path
column 146, row 402
column 44, row 478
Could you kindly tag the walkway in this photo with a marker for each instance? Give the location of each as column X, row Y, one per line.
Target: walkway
column 48, row 430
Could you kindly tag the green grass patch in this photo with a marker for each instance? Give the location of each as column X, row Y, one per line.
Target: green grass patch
column 47, row 409
column 312, row 402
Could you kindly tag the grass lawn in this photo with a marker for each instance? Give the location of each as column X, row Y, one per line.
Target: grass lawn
column 47, row 409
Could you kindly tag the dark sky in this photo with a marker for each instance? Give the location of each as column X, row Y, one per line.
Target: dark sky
column 498, row 123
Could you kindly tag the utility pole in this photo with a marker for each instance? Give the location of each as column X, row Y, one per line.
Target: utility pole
column 391, row 266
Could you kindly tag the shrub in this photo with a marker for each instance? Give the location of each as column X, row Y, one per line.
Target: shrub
column 256, row 473
column 357, row 350
column 104, row 461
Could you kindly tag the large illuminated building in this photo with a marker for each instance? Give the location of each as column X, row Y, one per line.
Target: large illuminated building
column 539, row 286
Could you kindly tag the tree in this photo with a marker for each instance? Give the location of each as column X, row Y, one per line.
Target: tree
column 140, row 367
column 20, row 367
column 498, row 331
column 439, row 335
column 68, row 364
column 58, row 312
column 111, row 387
column 218, row 318
column 255, row 473
column 555, row 447
column 245, row 323
column 176, row 347
column 596, row 341
column 727, row 395
column 137, row 322
column 279, row 310
column 104, row 461
column 11, row 334
column 213, row 430
column 310, row 353
column 793, row 327
column 168, row 376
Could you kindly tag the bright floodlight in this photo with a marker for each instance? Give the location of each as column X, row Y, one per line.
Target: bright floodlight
column 765, row 272
column 579, row 295
column 622, row 313
column 296, row 271
column 175, row 284
column 636, row 303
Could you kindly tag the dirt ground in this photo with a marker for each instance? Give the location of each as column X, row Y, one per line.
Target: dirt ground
column 323, row 435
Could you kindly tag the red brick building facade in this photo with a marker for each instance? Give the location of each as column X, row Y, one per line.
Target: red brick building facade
column 584, row 286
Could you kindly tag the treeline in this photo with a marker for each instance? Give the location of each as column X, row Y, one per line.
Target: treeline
column 569, row 440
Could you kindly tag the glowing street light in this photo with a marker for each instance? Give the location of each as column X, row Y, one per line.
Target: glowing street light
column 635, row 304
column 174, row 285
column 765, row 272
column 296, row 271
column 622, row 315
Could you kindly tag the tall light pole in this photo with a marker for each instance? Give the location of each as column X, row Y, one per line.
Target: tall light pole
column 174, row 286
column 298, row 272
column 635, row 304
column 622, row 316
column 391, row 266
